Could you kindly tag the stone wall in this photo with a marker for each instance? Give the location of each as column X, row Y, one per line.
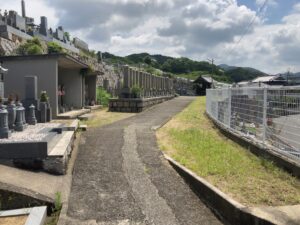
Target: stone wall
column 149, row 85
column 135, row 105
column 7, row 47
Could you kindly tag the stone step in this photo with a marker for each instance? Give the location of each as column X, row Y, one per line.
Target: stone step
column 57, row 160
column 62, row 145
column 86, row 117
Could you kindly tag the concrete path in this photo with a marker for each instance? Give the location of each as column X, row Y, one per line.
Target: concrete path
column 121, row 177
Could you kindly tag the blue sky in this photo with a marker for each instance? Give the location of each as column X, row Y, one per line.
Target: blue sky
column 198, row 29
column 274, row 12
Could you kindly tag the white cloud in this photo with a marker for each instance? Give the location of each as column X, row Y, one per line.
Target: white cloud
column 192, row 28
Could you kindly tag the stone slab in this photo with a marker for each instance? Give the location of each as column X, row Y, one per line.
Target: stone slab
column 73, row 114
column 36, row 215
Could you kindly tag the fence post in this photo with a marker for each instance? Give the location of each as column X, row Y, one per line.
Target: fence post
column 265, row 106
column 229, row 107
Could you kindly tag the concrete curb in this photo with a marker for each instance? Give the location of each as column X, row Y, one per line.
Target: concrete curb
column 63, row 218
column 232, row 212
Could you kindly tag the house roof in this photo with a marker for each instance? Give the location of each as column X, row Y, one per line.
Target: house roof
column 264, row 79
column 64, row 60
column 208, row 79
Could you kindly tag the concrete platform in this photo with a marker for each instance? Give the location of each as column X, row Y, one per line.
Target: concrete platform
column 86, row 117
column 34, row 142
column 94, row 107
column 73, row 114
column 36, row 215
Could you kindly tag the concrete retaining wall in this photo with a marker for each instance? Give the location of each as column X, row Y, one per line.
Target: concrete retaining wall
column 135, row 104
column 280, row 160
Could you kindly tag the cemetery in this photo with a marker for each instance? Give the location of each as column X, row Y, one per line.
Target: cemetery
column 141, row 90
column 27, row 136
column 57, row 74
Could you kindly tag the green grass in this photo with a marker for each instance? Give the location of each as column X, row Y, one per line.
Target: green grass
column 192, row 140
column 103, row 117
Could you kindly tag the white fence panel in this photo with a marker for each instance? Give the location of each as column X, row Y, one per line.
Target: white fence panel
column 270, row 116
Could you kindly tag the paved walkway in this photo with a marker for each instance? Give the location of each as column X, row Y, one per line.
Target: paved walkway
column 121, row 177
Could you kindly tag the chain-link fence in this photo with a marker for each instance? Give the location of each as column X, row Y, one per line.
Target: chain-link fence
column 270, row 116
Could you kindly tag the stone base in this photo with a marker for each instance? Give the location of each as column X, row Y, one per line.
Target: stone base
column 135, row 105
column 6, row 134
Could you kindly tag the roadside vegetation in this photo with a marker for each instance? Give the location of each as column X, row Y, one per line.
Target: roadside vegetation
column 192, row 140
column 104, row 117
column 102, row 96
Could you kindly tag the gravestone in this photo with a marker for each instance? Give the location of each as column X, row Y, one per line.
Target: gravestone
column 31, row 94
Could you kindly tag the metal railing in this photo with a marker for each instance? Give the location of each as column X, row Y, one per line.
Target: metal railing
column 270, row 116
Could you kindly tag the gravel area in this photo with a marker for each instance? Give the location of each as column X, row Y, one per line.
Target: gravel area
column 31, row 133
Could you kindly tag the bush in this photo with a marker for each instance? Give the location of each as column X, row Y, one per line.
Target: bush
column 44, row 97
column 54, row 48
column 31, row 47
column 136, row 91
column 103, row 96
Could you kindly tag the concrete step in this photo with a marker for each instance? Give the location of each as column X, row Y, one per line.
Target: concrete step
column 86, row 117
column 62, row 145
column 57, row 160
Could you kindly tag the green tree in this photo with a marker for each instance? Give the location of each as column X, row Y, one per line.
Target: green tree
column 147, row 60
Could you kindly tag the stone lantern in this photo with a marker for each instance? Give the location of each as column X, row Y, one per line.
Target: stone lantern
column 2, row 72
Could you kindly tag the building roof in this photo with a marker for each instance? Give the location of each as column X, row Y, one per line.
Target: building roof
column 208, row 79
column 64, row 60
column 264, row 79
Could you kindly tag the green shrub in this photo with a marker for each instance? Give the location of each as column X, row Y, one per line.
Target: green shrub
column 136, row 91
column 31, row 47
column 44, row 97
column 103, row 96
column 53, row 47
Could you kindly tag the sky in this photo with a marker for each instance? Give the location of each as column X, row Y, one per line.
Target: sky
column 258, row 33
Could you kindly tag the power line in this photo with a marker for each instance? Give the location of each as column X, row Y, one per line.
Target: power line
column 249, row 25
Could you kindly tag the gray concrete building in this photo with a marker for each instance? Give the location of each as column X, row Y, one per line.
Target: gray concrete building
column 64, row 78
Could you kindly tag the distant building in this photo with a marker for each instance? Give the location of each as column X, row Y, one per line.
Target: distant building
column 204, row 82
column 271, row 80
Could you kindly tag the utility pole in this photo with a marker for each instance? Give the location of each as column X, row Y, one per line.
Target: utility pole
column 288, row 76
column 212, row 70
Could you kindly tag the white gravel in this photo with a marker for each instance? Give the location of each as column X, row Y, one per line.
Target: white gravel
column 31, row 133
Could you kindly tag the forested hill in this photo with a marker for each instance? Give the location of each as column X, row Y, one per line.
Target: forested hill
column 184, row 67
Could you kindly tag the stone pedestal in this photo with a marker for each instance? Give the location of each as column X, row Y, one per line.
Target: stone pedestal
column 12, row 114
column 31, row 117
column 43, row 112
column 4, row 129
column 19, row 120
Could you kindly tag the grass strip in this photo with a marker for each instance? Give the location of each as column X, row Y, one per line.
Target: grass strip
column 192, row 140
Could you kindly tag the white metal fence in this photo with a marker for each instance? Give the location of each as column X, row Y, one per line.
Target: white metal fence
column 270, row 116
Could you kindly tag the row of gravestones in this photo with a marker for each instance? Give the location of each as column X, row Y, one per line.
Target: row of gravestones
column 15, row 117
column 12, row 118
